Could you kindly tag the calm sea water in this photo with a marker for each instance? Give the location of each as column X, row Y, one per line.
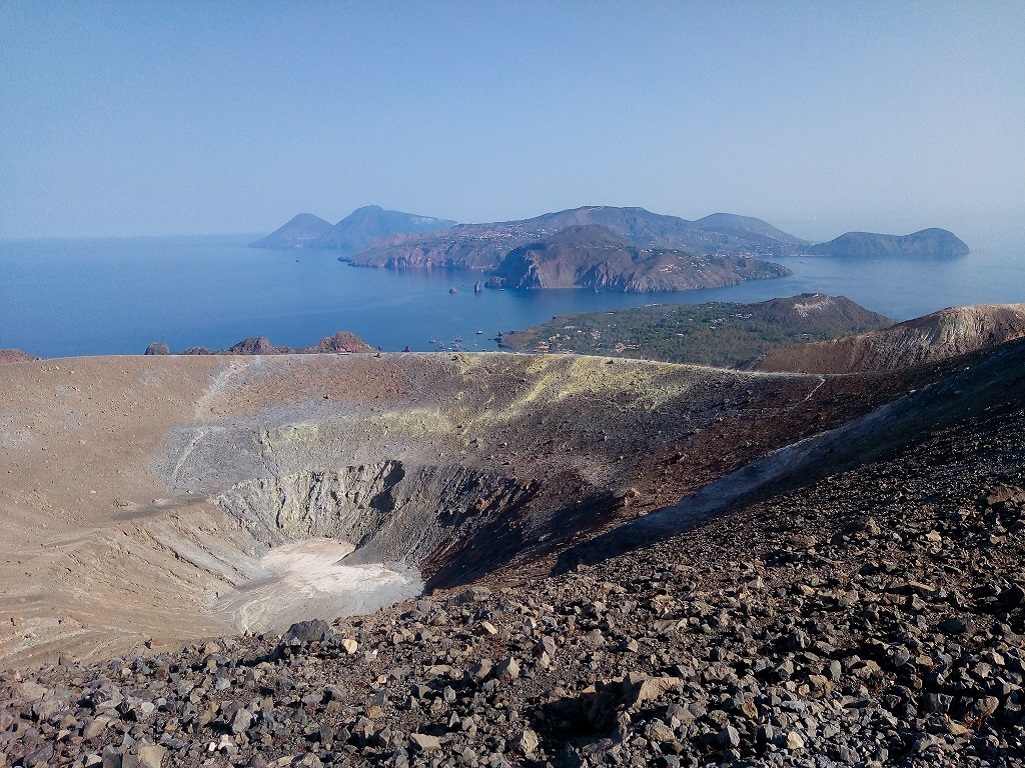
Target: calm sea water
column 114, row 296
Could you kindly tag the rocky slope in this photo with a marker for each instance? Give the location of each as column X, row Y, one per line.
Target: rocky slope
column 340, row 343
column 719, row 333
column 868, row 614
column 939, row 336
column 15, row 356
column 353, row 233
column 590, row 256
column 484, row 246
column 927, row 242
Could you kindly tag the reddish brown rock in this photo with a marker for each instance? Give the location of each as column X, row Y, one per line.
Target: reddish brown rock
column 15, row 356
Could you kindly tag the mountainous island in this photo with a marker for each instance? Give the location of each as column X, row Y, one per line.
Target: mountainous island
column 353, row 233
column 720, row 333
column 598, row 247
column 936, row 243
column 485, row 246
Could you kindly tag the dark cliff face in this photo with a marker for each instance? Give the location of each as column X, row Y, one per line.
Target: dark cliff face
column 927, row 243
column 591, row 256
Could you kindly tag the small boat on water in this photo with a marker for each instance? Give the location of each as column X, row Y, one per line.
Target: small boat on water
column 480, row 333
column 431, row 341
column 458, row 339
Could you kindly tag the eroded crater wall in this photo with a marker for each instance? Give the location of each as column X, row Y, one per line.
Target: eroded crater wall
column 141, row 490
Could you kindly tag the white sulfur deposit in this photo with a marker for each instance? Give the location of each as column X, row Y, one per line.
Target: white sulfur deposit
column 306, row 580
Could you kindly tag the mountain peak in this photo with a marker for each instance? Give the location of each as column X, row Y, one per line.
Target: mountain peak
column 303, row 230
column 353, row 233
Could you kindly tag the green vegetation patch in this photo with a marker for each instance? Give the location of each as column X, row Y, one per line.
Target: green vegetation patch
column 717, row 333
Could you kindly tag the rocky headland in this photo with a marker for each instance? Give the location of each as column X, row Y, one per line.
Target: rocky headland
column 340, row 343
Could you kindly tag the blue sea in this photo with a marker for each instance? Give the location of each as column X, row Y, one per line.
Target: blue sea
column 62, row 298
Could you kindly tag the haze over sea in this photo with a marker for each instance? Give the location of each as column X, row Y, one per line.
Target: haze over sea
column 61, row 298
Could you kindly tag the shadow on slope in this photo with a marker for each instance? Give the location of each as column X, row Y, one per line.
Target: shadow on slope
column 990, row 382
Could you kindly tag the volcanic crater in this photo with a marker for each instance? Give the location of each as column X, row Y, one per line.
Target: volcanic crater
column 153, row 500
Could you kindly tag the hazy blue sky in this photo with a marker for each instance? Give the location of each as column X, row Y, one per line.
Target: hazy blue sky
column 216, row 117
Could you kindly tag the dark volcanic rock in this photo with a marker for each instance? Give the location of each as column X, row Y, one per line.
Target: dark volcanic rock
column 256, row 345
column 927, row 242
column 341, row 342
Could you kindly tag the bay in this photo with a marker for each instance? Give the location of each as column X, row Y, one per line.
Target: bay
column 67, row 297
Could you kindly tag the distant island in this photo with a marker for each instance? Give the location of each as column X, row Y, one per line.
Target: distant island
column 597, row 247
column 485, row 246
column 722, row 334
column 350, row 235
column 861, row 245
